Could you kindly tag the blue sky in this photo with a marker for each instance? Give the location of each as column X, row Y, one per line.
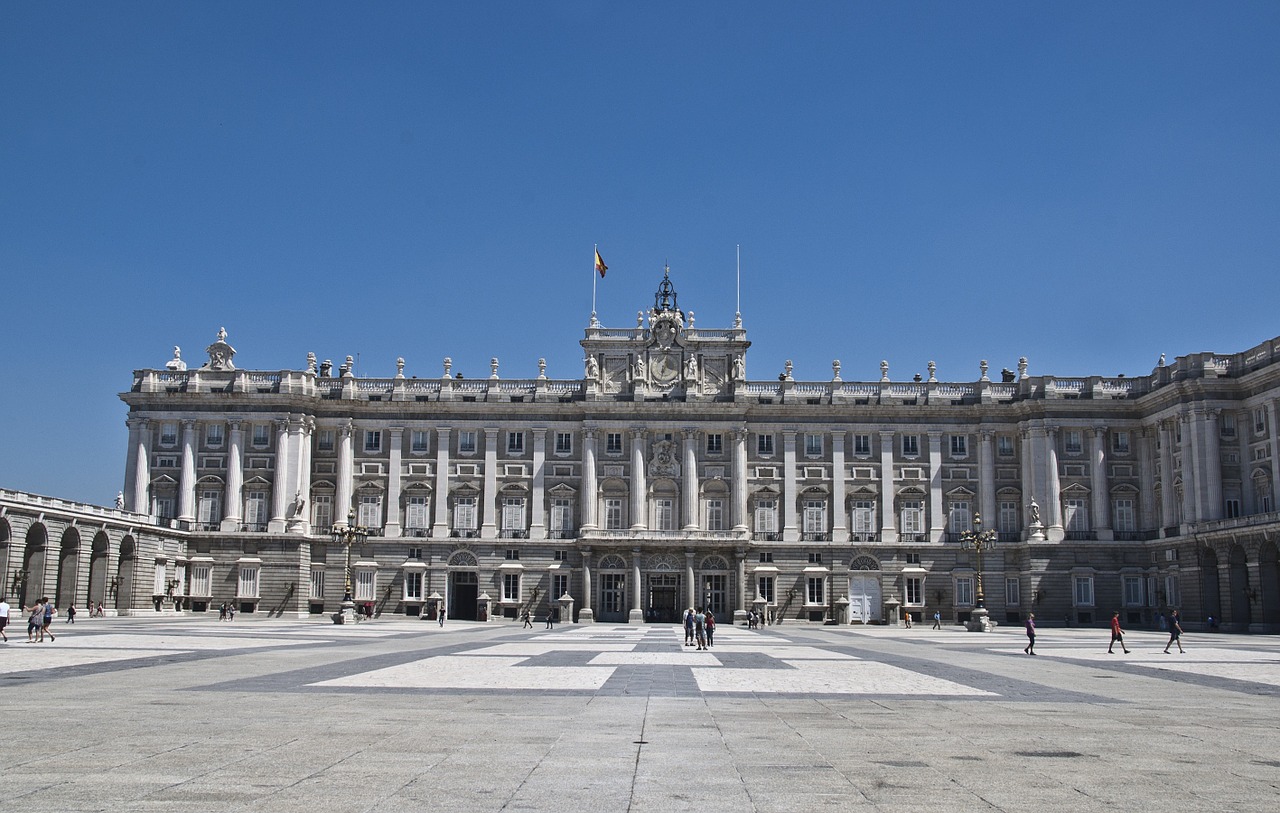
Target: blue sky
column 1085, row 184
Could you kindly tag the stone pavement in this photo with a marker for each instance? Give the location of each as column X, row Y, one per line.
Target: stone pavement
column 190, row 714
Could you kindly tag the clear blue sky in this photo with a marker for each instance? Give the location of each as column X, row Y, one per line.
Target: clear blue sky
column 1086, row 184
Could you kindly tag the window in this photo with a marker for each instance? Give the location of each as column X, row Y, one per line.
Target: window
column 560, row 555
column 910, row 445
column 210, row 508
column 613, row 592
column 959, row 519
column 201, row 580
column 513, row 514
column 157, row 579
column 564, row 443
column 467, row 442
column 862, row 445
column 815, row 593
column 413, row 586
column 559, row 586
column 1172, row 595
column 665, row 514
column 1012, row 592
column 1120, row 442
column 613, row 514
column 813, row 445
column 815, row 516
column 613, row 443
column 464, row 514
column 1076, row 514
column 1228, row 427
column 715, row 443
column 561, row 517
column 764, row 588
column 322, row 512
column 1071, row 441
column 1133, row 591
column 766, row 557
column 324, row 440
column 515, row 443
column 370, row 515
column 255, row 509
column 815, row 557
column 373, row 440
column 261, row 435
column 715, row 515
column 247, row 584
column 169, row 434
column 512, row 555
column 914, row 589
column 415, row 514
column 1231, row 508
column 1004, row 445
column 1124, row 516
column 213, row 436
column 419, row 441
column 364, row 585
column 414, row 553
column 1083, row 593
column 1009, row 520
column 764, row 445
column 964, row 591
column 1259, row 421
column 766, row 516
column 959, row 445
column 864, row 516
column 913, row 516
column 913, row 558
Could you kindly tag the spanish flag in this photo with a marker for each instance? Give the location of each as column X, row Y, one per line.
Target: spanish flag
column 600, row 266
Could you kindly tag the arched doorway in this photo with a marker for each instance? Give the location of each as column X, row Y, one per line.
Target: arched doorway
column 864, row 591
column 98, row 569
column 464, row 586
column 124, row 574
column 613, row 590
column 33, row 559
column 1241, row 613
column 1269, row 584
column 68, row 568
column 663, row 604
column 1210, row 587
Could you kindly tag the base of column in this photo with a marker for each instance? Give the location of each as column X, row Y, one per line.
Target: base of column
column 586, row 616
column 635, row 617
column 739, row 617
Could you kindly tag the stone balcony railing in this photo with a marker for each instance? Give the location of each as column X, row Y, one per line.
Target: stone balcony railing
column 640, row 537
column 78, row 509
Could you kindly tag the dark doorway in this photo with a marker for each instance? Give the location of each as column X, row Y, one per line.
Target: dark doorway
column 664, row 599
column 464, row 590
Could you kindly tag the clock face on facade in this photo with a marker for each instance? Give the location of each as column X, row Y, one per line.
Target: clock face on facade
column 664, row 368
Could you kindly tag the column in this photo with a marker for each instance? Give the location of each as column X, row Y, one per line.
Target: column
column 440, row 499
column 1211, row 466
column 130, row 466
column 639, row 517
column 888, row 527
column 1028, row 481
column 987, row 478
column 1146, row 480
column 739, row 480
column 588, row 496
column 586, row 615
column 489, row 500
column 691, row 584
column 235, row 476
column 140, row 449
column 689, row 471
column 1054, row 496
column 187, row 481
column 637, row 608
column 304, row 473
column 280, row 481
column 790, row 531
column 1273, row 415
column 839, row 511
column 346, row 469
column 538, row 510
column 1248, row 494
column 396, row 452
column 937, row 519
column 740, row 612
column 1101, row 502
column 1189, row 514
column 1168, row 507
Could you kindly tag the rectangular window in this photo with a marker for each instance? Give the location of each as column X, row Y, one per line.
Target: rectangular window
column 213, row 435
column 1133, row 591
column 766, row 557
column 321, row 512
column 715, row 443
column 373, row 440
column 1231, row 508
column 815, row 593
column 559, row 586
column 764, row 588
column 815, row 516
column 324, row 440
column 1010, row 517
column 766, row 516
column 1076, row 515
column 560, row 555
column 910, row 445
column 964, row 591
column 913, row 517
column 1124, row 515
column 1228, row 428
column 613, row 514
column 764, row 445
column 515, row 443
column 414, row 553
column 370, row 515
column 415, row 513
column 1172, row 595
column 862, row 445
column 1071, row 441
column 815, row 557
column 413, row 586
column 913, row 558
column 1083, row 594
column 1259, row 421
column 162, row 507
column 364, row 586
column 613, row 592
column 464, row 514
column 512, row 555
column 914, row 588
column 864, row 516
column 201, row 580
column 1012, row 592
column 1004, row 445
column 715, row 515
column 561, row 515
column 420, row 441
column 613, row 443
column 247, row 584
column 959, row 519
column 261, row 435
column 564, row 443
column 158, row 579
column 467, row 442
column 959, row 445
column 813, row 445
column 513, row 514
column 665, row 514
column 1120, row 441
column 255, row 509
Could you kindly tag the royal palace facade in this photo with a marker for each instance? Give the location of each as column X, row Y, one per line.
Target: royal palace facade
column 665, row 478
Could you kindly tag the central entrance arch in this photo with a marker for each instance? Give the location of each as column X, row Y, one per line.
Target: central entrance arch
column 864, row 591
column 464, row 586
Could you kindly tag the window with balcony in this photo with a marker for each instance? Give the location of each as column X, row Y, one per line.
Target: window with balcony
column 324, row 440
column 415, row 513
column 1004, row 445
column 764, row 445
column 561, row 518
column 613, row 514
column 467, row 442
column 321, row 512
column 464, row 514
column 261, row 436
column 664, row 509
column 766, row 518
column 1072, row 442
column 864, row 519
column 169, row 435
column 1120, row 441
column 370, row 511
column 1123, row 515
column 913, row 516
column 513, row 516
column 815, row 518
column 715, row 515
column 959, row 518
column 213, row 436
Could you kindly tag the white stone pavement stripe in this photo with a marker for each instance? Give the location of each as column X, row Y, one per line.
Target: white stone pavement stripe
column 815, row 677
column 654, row 659
column 454, row 672
column 534, row 648
column 167, row 642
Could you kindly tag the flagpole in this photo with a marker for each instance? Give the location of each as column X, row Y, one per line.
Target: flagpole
column 737, row 317
column 595, row 252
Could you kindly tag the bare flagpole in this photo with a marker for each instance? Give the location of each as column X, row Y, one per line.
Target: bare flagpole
column 737, row 317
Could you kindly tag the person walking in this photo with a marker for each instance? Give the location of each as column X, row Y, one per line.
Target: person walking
column 906, row 616
column 1030, row 648
column 688, row 627
column 1175, row 633
column 1117, row 634
column 49, row 612
column 937, row 619
column 551, row 617
column 71, row 614
column 4, row 618
column 711, row 629
column 35, row 619
column 528, row 622
column 700, row 628
column 440, row 616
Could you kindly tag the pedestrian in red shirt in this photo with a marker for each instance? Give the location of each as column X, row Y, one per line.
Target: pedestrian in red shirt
column 1117, row 634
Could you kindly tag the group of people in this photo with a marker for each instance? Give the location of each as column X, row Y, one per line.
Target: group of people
column 699, row 628
column 226, row 612
column 755, row 620
column 39, row 616
column 1117, row 634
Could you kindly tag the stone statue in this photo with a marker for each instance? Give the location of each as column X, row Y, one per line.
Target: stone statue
column 220, row 353
column 593, row 369
column 786, row 370
column 119, row 500
column 639, row 373
column 326, row 368
column 1161, row 362
column 299, row 504
column 222, row 334
column 1035, row 512
column 691, row 368
column 176, row 363
column 311, row 363
column 739, row 369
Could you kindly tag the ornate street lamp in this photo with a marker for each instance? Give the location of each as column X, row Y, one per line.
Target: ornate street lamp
column 348, row 535
column 978, row 540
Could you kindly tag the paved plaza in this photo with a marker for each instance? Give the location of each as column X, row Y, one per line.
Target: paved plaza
column 186, row 714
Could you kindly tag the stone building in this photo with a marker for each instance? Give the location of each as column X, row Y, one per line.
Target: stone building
column 664, row 478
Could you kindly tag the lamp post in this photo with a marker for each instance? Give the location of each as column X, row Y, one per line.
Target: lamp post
column 348, row 535
column 978, row 540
